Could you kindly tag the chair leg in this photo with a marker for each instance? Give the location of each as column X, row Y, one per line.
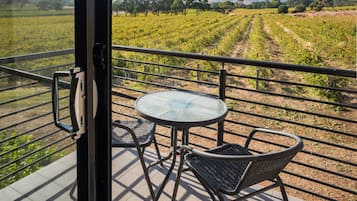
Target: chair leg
column 146, row 173
column 157, row 151
column 72, row 190
column 205, row 185
column 282, row 188
column 210, row 194
column 220, row 197
column 206, row 188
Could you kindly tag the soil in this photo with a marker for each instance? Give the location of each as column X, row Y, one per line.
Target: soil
column 241, row 46
column 325, row 13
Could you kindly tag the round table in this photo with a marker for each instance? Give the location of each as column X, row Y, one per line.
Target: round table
column 181, row 110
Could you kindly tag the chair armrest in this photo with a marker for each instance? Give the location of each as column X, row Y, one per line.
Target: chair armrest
column 265, row 130
column 131, row 131
column 205, row 154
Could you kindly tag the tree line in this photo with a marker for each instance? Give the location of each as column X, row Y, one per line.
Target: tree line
column 40, row 4
column 157, row 6
column 133, row 7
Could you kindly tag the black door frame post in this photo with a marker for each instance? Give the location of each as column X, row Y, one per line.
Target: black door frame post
column 84, row 42
column 92, row 26
column 102, row 61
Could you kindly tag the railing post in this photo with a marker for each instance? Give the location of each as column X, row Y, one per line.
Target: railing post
column 198, row 72
column 222, row 96
column 257, row 80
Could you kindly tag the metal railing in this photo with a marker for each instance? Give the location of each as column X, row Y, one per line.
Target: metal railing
column 289, row 98
column 292, row 98
column 28, row 137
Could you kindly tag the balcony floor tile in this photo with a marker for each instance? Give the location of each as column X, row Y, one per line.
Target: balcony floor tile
column 54, row 181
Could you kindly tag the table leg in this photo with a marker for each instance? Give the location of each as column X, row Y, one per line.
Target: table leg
column 185, row 133
column 173, row 152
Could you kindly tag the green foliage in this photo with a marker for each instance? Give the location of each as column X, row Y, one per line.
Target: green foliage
column 283, row 9
column 332, row 38
column 256, row 51
column 26, row 147
column 327, row 81
column 177, row 6
column 318, row 5
column 298, row 53
column 299, row 9
column 294, row 3
column 50, row 4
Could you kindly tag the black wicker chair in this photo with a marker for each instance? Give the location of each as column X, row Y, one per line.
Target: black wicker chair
column 138, row 134
column 230, row 168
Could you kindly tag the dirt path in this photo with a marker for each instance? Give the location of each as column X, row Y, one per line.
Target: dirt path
column 305, row 44
column 272, row 48
column 325, row 13
column 241, row 46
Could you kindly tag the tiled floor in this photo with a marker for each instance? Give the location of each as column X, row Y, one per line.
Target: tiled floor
column 54, row 182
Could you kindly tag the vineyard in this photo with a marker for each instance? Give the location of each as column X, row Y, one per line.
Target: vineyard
column 312, row 40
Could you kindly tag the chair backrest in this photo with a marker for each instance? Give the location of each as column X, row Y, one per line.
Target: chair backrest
column 268, row 166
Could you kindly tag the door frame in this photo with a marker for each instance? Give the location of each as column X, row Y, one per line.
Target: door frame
column 93, row 30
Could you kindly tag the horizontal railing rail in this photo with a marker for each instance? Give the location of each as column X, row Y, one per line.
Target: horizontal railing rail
column 274, row 65
column 28, row 57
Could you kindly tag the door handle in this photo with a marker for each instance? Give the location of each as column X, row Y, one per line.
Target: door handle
column 76, row 102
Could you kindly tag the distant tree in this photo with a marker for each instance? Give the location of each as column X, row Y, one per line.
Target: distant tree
column 155, row 7
column 283, row 9
column 205, row 5
column 16, row 3
column 274, row 4
column 129, row 6
column 187, row 4
column 256, row 5
column 145, row 6
column 320, row 4
column 299, row 9
column 165, row 5
column 240, row 4
column 50, row 4
column 116, row 6
column 57, row 4
column 294, row 3
column 215, row 6
column 227, row 5
column 177, row 6
column 44, row 4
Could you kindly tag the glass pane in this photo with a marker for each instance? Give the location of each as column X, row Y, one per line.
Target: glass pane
column 179, row 107
column 37, row 160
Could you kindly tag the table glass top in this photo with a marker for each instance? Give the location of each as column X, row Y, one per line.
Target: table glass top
column 180, row 107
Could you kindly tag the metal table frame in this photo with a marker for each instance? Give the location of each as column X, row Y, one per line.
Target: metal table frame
column 175, row 127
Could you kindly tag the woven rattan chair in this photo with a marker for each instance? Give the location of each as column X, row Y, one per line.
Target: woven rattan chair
column 138, row 134
column 230, row 168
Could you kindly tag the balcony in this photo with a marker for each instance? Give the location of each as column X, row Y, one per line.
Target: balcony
column 318, row 104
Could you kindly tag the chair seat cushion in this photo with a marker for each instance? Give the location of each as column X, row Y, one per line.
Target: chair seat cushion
column 219, row 174
column 144, row 131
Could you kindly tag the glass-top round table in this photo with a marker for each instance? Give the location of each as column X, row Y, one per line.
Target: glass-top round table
column 181, row 110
